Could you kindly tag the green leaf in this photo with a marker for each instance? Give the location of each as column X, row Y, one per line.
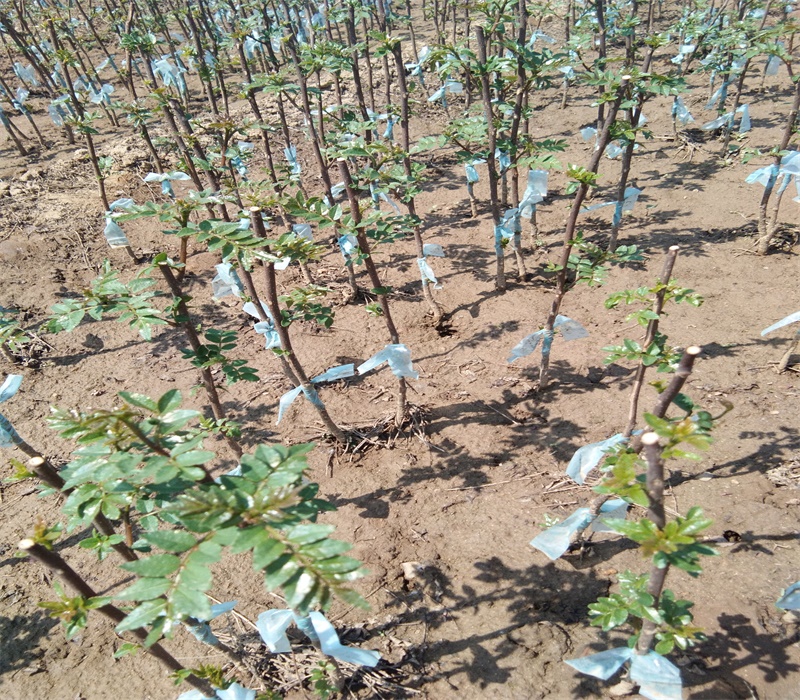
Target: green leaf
column 145, row 589
column 126, row 648
column 325, row 549
column 169, row 401
column 190, row 602
column 267, row 552
column 191, row 459
column 142, row 615
column 157, row 564
column 175, row 541
column 280, row 571
column 309, row 533
column 196, row 575
column 140, row 400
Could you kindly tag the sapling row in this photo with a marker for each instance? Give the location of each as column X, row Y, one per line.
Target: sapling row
column 144, row 463
column 282, row 58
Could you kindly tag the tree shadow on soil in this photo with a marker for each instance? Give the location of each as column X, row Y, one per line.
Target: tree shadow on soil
column 534, row 603
column 739, row 644
column 774, row 448
column 21, row 635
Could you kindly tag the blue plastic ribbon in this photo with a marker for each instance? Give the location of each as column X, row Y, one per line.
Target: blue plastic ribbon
column 304, row 231
column 166, row 180
column 683, row 52
column 450, row 87
column 272, row 626
column 348, row 245
column 602, row 665
column 398, row 356
column 536, row 35
column 430, row 250
column 569, row 329
column 233, row 692
column 331, row 375
column 658, row 678
column 26, row 73
column 101, row 95
column 427, row 274
column 680, row 112
column 790, row 600
column 226, row 282
column 8, row 436
column 378, row 196
column 291, row 157
column 472, row 174
column 586, row 458
column 773, row 64
column 113, row 233
column 201, row 630
column 631, row 196
column 415, row 69
column 535, row 192
column 503, row 160
column 791, row 318
column 555, row 540
column 265, row 328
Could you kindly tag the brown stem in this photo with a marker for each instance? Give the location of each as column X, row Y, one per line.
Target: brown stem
column 288, row 353
column 49, row 475
column 184, row 321
column 660, row 410
column 765, row 234
column 572, row 220
column 488, row 115
column 655, row 512
column 383, row 300
column 433, row 306
column 650, row 335
column 57, row 565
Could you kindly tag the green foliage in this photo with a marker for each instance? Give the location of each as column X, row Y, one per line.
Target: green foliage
column 657, row 354
column 676, row 544
column 147, row 458
column 20, row 473
column 212, row 354
column 590, row 262
column 321, row 678
column 303, row 305
column 580, row 176
column 132, row 302
column 633, row 604
column 73, row 612
column 623, row 476
column 46, row 535
column 12, row 334
column 226, row 237
column 633, row 600
column 213, row 674
column 103, row 545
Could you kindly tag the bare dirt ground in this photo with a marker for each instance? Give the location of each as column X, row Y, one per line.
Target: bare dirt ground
column 486, row 616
